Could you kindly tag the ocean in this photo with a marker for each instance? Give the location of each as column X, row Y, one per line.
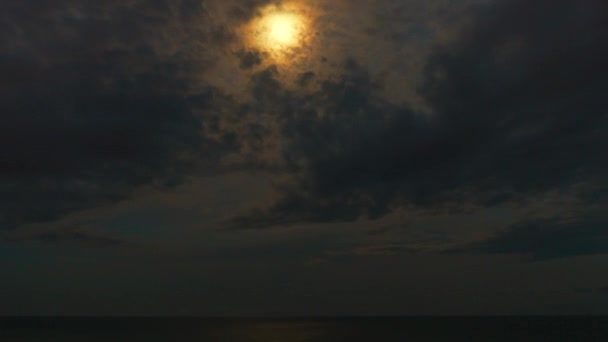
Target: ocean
column 414, row 329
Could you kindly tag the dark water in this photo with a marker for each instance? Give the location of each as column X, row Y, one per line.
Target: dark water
column 304, row 330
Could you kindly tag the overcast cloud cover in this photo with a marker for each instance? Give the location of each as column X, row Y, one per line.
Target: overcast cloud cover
column 427, row 135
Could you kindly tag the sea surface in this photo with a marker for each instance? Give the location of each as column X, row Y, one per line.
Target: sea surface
column 487, row 329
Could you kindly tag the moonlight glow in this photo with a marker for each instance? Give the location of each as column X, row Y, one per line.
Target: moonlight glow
column 283, row 28
column 280, row 30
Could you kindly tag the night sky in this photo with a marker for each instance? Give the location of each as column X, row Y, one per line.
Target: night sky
column 322, row 157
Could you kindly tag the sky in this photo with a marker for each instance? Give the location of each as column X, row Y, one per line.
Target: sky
column 382, row 157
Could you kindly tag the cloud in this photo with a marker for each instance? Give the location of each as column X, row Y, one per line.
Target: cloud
column 249, row 59
column 518, row 110
column 245, row 10
column 81, row 236
column 96, row 108
column 525, row 98
column 93, row 108
column 547, row 239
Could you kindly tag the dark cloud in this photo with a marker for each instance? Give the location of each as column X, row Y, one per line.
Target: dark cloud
column 95, row 107
column 92, row 109
column 305, row 78
column 245, row 10
column 249, row 59
column 518, row 109
column 386, row 249
column 221, row 35
column 593, row 195
column 354, row 117
column 548, row 239
column 191, row 8
column 522, row 94
column 74, row 235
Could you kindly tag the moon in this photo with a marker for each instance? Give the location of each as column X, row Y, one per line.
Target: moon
column 283, row 29
column 280, row 29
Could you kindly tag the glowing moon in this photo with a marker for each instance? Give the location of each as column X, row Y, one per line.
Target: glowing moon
column 282, row 32
column 283, row 28
column 280, row 29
